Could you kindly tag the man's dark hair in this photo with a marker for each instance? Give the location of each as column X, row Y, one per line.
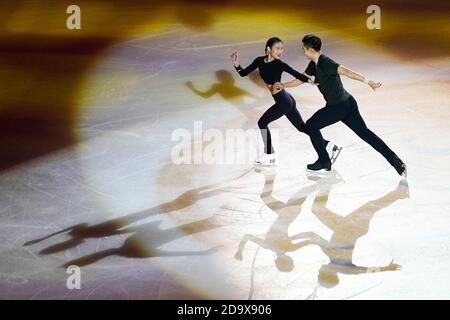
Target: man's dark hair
column 312, row 41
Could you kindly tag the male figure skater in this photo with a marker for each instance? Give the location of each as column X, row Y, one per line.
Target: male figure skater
column 340, row 106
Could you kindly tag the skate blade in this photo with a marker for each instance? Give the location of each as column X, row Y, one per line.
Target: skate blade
column 271, row 163
column 404, row 175
column 319, row 172
column 264, row 165
column 336, row 155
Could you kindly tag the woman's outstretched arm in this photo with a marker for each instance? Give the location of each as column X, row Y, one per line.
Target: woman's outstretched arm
column 243, row 72
column 299, row 76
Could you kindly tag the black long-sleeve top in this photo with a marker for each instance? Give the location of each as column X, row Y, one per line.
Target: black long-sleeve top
column 270, row 72
column 330, row 84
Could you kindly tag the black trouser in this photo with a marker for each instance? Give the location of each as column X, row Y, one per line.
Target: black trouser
column 347, row 112
column 284, row 105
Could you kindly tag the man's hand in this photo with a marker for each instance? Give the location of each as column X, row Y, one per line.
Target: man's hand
column 276, row 87
column 374, row 85
column 235, row 59
column 311, row 79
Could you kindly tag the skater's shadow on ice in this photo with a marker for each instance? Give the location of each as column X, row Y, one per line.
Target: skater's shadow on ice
column 346, row 232
column 145, row 239
column 277, row 238
column 227, row 89
column 346, row 229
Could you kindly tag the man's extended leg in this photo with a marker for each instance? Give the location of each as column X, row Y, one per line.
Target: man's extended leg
column 356, row 123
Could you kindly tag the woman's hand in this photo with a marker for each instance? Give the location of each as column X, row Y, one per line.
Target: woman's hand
column 235, row 59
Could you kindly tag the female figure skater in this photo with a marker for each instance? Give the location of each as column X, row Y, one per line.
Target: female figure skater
column 270, row 68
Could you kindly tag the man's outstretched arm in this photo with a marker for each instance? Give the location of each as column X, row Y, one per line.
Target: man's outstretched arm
column 343, row 71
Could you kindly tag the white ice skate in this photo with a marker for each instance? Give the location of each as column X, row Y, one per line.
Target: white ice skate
column 333, row 151
column 265, row 160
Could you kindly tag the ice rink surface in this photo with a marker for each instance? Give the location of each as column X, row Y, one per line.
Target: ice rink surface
column 141, row 226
